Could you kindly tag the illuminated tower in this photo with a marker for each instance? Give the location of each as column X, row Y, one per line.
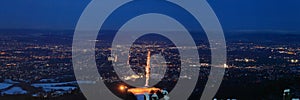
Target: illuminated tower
column 138, row 92
column 148, row 69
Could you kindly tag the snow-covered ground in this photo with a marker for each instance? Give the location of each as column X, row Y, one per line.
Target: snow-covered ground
column 4, row 85
column 51, row 84
column 10, row 87
column 47, row 87
column 63, row 88
column 15, row 90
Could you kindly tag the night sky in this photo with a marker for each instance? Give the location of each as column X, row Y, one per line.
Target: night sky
column 234, row 15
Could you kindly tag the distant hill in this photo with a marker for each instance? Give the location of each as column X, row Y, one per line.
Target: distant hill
column 66, row 36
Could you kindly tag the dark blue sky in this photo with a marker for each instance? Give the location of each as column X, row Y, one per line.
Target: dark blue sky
column 234, row 15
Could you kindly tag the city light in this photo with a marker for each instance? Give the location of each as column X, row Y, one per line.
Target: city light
column 143, row 90
column 122, row 87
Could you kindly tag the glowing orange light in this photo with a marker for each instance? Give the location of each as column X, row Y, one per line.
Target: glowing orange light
column 143, row 90
column 122, row 87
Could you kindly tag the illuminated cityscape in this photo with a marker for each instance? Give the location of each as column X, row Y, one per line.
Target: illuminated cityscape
column 34, row 69
column 149, row 49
